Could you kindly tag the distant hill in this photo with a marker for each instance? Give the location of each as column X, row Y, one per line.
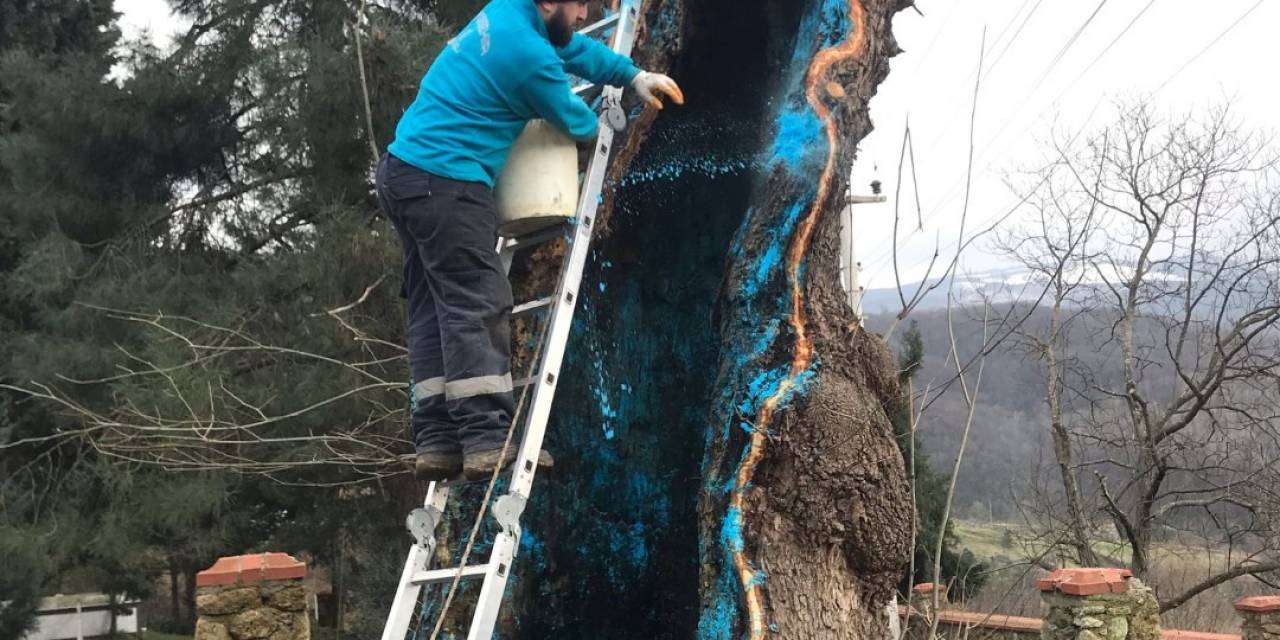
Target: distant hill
column 1009, row 429
column 1000, row 283
column 1009, row 439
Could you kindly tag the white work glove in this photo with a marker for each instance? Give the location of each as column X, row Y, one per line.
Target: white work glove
column 648, row 85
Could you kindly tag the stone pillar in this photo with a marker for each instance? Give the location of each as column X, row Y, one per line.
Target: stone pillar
column 922, row 598
column 254, row 597
column 921, row 612
column 1261, row 617
column 1097, row 604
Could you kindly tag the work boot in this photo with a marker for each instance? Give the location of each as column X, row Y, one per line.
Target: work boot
column 479, row 465
column 437, row 466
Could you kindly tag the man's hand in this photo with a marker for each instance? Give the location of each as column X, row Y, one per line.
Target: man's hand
column 648, row 85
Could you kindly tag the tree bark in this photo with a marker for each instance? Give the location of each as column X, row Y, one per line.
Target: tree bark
column 175, row 602
column 1062, row 451
column 738, row 477
column 806, row 516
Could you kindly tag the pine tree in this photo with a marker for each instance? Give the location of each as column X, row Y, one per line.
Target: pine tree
column 38, row 40
column 226, row 181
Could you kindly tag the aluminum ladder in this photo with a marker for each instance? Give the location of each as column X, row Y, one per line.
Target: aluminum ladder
column 507, row 509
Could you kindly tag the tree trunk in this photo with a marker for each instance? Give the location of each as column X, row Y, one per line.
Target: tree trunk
column 1062, row 437
column 175, row 601
column 726, row 462
column 189, row 584
column 112, row 610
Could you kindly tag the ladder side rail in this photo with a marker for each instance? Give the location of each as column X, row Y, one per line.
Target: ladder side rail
column 506, row 542
column 489, row 602
column 561, row 319
column 405, row 603
column 600, row 25
column 561, row 315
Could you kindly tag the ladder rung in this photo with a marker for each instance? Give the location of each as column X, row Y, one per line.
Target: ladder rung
column 537, row 237
column 525, row 382
column 438, row 576
column 591, row 29
column 532, row 306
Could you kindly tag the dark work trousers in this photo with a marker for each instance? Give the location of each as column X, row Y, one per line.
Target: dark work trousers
column 459, row 308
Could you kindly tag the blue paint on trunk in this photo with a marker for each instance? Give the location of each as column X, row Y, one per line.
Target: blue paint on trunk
column 612, row 546
column 798, row 131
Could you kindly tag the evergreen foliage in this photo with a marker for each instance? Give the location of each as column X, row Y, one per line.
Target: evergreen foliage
column 222, row 182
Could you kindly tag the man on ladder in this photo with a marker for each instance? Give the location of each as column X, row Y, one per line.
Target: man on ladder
column 508, row 66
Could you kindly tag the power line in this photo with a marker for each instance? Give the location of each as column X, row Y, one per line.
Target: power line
column 1000, row 56
column 1209, row 46
column 933, row 41
column 1043, row 75
column 1104, row 51
column 877, row 265
column 989, row 68
column 1065, row 48
column 951, row 193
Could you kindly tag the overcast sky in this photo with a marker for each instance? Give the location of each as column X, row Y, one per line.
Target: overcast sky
column 1024, row 94
column 1048, row 63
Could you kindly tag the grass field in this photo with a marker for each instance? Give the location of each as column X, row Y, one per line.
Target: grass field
column 985, row 540
column 994, row 541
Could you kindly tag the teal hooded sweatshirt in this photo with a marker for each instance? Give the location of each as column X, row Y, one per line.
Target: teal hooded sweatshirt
column 492, row 78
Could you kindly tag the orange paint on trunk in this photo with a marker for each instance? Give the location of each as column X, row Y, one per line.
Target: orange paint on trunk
column 803, row 356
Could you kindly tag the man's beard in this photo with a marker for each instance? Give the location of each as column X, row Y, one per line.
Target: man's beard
column 559, row 30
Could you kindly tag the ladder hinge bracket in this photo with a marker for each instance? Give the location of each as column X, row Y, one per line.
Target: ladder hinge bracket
column 421, row 523
column 613, row 113
column 507, row 511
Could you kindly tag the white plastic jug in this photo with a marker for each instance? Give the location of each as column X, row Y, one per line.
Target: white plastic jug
column 538, row 186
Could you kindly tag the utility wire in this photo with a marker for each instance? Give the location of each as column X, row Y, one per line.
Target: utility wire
column 952, row 192
column 1018, row 32
column 1067, row 47
column 1209, row 46
column 1005, row 28
column 933, row 41
column 986, row 71
column 1026, row 98
column 1089, row 67
column 933, row 143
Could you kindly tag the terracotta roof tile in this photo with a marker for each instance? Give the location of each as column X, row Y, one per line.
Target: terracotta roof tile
column 1259, row 604
column 1086, row 582
column 251, row 568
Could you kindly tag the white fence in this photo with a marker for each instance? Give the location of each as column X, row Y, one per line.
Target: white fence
column 82, row 615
